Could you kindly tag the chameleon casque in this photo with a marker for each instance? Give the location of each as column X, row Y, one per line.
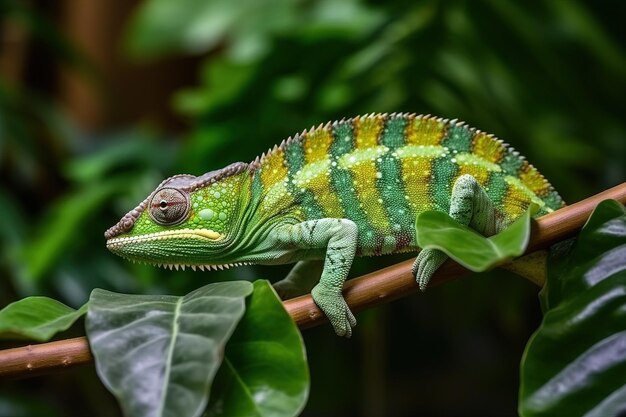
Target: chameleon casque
column 348, row 188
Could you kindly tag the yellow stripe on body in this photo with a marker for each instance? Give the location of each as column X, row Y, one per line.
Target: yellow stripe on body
column 518, row 197
column 316, row 144
column 488, row 148
column 417, row 179
column 274, row 169
column 520, row 191
column 424, row 131
column 365, row 174
column 416, row 165
column 532, row 179
column 274, row 179
column 362, row 164
column 315, row 175
column 367, row 130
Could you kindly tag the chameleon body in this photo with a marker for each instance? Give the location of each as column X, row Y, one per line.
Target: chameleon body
column 344, row 189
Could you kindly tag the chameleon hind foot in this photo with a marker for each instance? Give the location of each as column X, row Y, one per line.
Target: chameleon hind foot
column 425, row 265
column 469, row 205
column 336, row 309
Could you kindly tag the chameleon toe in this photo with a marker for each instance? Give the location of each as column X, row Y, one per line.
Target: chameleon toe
column 336, row 309
column 426, row 263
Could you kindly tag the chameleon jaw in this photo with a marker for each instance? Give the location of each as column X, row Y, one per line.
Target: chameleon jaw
column 120, row 242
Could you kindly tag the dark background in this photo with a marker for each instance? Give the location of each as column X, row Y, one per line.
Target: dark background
column 100, row 100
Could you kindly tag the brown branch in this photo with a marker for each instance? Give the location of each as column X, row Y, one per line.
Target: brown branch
column 369, row 290
column 43, row 358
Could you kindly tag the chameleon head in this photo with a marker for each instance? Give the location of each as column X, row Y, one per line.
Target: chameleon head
column 187, row 220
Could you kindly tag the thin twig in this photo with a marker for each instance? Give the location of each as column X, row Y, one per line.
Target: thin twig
column 369, row 290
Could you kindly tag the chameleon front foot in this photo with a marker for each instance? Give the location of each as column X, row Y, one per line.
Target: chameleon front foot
column 425, row 265
column 336, row 309
column 469, row 205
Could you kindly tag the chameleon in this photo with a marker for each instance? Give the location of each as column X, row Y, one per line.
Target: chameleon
column 343, row 189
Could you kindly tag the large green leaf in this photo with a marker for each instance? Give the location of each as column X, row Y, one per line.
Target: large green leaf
column 437, row 230
column 158, row 354
column 575, row 363
column 37, row 318
column 265, row 371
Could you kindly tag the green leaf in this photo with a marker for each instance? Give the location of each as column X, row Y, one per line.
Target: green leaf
column 158, row 354
column 265, row 371
column 565, row 281
column 437, row 230
column 37, row 318
column 574, row 364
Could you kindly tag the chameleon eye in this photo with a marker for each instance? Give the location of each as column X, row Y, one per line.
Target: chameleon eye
column 169, row 206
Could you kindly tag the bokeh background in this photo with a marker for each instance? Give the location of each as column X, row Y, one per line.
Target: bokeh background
column 100, row 100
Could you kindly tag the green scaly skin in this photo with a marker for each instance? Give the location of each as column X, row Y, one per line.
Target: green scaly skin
column 344, row 189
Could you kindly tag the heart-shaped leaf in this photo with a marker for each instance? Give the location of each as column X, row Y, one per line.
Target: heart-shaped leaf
column 437, row 230
column 158, row 354
column 575, row 363
column 37, row 318
column 265, row 371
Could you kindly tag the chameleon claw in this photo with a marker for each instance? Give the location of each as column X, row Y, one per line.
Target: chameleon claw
column 336, row 309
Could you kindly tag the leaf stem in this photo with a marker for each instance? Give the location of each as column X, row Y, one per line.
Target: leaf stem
column 369, row 290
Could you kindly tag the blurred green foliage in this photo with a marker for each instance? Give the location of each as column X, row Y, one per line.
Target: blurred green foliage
column 547, row 77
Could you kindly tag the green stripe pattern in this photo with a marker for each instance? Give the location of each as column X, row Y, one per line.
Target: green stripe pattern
column 506, row 177
column 294, row 155
column 342, row 184
column 391, row 186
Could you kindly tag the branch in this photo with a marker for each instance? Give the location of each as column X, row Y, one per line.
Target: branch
column 360, row 293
